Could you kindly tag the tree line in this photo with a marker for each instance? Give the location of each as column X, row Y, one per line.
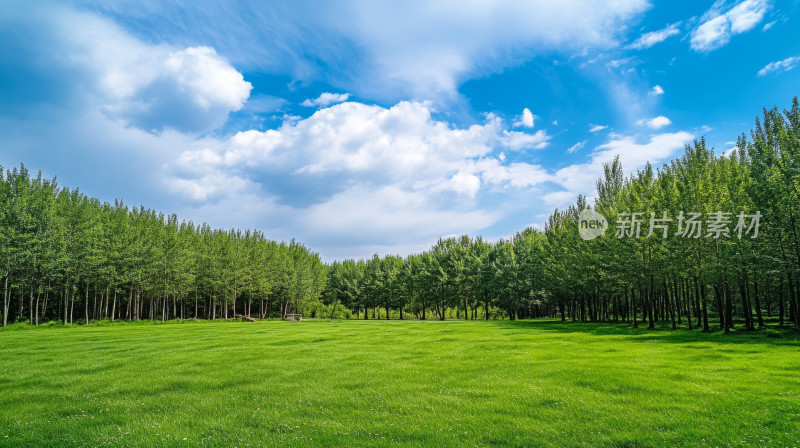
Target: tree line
column 70, row 258
column 724, row 246
column 703, row 241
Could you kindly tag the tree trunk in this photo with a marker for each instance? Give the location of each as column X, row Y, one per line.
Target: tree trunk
column 86, row 305
column 21, row 302
column 6, row 301
column 697, row 308
column 30, row 306
column 728, row 307
column 687, row 292
column 36, row 317
column 701, row 292
column 718, row 296
column 747, row 307
column 46, row 297
column 793, row 301
column 781, row 302
column 768, row 299
column 671, row 303
column 114, row 305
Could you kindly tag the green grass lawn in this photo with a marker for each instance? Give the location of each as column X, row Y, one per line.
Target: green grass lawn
column 367, row 383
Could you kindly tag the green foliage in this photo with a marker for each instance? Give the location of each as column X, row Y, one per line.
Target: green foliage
column 65, row 256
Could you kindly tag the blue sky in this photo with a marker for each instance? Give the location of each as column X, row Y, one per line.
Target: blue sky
column 361, row 127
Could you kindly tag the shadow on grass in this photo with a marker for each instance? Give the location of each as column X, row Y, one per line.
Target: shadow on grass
column 771, row 334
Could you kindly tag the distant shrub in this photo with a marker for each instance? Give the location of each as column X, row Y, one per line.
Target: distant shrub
column 16, row 326
column 770, row 333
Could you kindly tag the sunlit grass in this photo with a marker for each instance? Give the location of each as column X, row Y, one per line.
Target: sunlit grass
column 363, row 383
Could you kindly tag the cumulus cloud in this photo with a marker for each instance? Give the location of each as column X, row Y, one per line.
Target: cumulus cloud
column 352, row 177
column 718, row 25
column 647, row 40
column 402, row 144
column 190, row 90
column 655, row 123
column 78, row 59
column 359, row 173
column 780, row 66
column 151, row 87
column 326, row 99
column 525, row 120
column 657, row 90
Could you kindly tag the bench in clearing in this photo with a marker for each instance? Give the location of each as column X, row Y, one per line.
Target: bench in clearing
column 293, row 317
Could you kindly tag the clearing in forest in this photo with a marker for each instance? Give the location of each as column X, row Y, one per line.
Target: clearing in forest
column 368, row 383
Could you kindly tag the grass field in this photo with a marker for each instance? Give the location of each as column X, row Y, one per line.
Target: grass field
column 367, row 383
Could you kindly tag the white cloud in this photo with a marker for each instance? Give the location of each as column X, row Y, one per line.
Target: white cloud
column 594, row 128
column 360, row 173
column 617, row 63
column 647, row 40
column 655, row 123
column 634, row 155
column 729, row 152
column 521, row 140
column 463, row 183
column 580, row 178
column 402, row 143
column 576, row 147
column 413, row 49
column 375, row 174
column 349, row 180
column 207, row 78
column 656, row 90
column 717, row 26
column 152, row 87
column 769, row 25
column 326, row 99
column 442, row 44
column 559, row 199
column 780, row 66
column 526, row 119
column 513, row 175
